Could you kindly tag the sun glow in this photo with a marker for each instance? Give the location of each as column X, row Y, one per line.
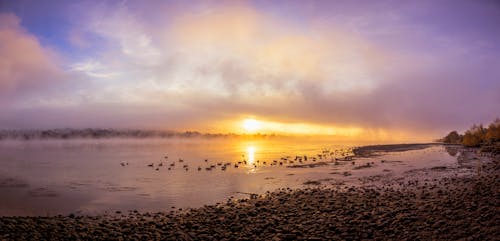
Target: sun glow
column 251, row 125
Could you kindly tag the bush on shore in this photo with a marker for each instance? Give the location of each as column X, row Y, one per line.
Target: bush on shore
column 478, row 136
column 453, row 138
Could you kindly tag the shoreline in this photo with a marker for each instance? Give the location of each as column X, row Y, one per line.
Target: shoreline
column 374, row 150
column 452, row 207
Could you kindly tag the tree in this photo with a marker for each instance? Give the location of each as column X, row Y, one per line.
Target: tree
column 493, row 132
column 475, row 136
column 452, row 138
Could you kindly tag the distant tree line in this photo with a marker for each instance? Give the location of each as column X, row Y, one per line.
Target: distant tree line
column 478, row 136
column 105, row 133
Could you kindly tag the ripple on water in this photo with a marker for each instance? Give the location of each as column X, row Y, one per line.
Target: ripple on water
column 42, row 192
column 12, row 183
column 119, row 189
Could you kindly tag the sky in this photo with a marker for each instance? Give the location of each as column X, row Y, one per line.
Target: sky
column 384, row 69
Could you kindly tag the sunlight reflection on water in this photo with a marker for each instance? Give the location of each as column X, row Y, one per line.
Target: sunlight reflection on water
column 251, row 158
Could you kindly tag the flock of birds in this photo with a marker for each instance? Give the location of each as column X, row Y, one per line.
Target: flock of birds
column 325, row 155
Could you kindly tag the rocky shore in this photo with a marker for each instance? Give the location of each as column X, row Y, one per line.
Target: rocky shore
column 446, row 209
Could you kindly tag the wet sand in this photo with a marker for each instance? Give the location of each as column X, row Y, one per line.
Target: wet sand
column 448, row 206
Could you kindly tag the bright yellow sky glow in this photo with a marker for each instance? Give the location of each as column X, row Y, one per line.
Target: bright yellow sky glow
column 251, row 125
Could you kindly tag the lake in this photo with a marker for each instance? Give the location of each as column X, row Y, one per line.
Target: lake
column 89, row 176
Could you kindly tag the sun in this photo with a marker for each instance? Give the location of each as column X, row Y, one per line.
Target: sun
column 251, row 125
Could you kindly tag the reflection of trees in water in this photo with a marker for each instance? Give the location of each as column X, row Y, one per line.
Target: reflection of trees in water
column 452, row 150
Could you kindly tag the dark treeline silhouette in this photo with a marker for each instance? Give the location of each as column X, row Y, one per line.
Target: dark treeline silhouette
column 478, row 136
column 105, row 133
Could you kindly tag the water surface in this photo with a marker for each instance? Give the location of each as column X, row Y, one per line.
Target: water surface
column 96, row 176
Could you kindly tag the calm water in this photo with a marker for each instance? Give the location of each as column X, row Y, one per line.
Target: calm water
column 95, row 176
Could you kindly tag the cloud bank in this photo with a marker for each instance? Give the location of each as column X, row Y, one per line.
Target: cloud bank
column 198, row 66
